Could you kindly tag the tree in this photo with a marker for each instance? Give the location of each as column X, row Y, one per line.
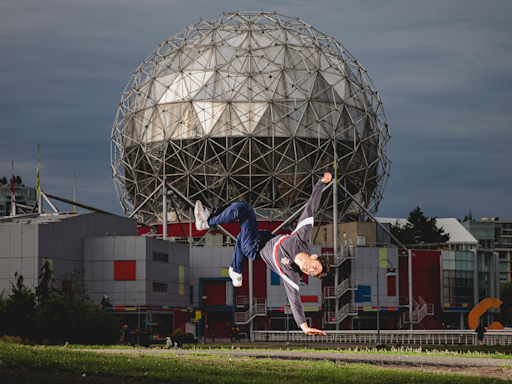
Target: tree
column 419, row 229
column 43, row 290
column 469, row 216
column 71, row 288
column 18, row 180
column 17, row 312
column 4, row 180
column 63, row 312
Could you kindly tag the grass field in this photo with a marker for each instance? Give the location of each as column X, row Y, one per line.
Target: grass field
column 212, row 369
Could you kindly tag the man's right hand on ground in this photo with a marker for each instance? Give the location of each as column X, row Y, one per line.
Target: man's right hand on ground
column 312, row 331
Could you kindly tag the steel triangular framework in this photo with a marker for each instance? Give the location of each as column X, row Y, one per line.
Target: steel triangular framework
column 254, row 107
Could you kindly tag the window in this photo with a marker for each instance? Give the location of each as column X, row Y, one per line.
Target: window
column 503, row 276
column 163, row 257
column 159, row 287
column 458, row 277
column 124, row 270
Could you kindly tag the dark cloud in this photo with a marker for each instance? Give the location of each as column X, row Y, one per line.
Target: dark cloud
column 443, row 69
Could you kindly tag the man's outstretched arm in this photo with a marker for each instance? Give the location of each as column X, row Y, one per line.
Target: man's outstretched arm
column 314, row 199
column 298, row 311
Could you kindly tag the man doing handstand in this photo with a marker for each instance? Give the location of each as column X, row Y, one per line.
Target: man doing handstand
column 286, row 255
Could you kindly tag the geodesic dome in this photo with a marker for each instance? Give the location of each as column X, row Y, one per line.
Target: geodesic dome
column 253, row 107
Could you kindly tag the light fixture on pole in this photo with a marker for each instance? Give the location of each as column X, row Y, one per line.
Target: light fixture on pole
column 389, row 274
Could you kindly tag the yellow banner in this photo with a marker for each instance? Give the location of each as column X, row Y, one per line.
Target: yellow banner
column 383, row 254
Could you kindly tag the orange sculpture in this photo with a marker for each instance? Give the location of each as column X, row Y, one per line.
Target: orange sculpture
column 480, row 309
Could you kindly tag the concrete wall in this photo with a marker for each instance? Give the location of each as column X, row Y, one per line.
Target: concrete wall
column 210, row 262
column 18, row 253
column 364, row 269
column 350, row 231
column 27, row 241
column 102, row 252
column 347, row 233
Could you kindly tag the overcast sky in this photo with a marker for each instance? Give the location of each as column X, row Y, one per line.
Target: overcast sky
column 443, row 69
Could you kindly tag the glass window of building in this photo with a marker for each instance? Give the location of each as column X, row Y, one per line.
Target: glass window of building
column 458, row 282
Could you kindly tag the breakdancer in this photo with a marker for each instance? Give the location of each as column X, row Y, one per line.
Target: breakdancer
column 286, row 255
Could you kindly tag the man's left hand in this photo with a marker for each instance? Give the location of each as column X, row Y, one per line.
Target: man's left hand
column 327, row 178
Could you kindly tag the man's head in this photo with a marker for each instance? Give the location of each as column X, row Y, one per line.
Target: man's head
column 314, row 265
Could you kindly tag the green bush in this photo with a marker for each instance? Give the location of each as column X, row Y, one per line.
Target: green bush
column 55, row 316
column 181, row 337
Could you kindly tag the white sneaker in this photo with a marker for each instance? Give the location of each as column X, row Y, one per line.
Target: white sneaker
column 202, row 214
column 236, row 277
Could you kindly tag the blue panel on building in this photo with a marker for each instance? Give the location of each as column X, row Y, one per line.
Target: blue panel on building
column 274, row 278
column 363, row 293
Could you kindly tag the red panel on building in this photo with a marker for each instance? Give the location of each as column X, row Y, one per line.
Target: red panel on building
column 174, row 229
column 219, row 324
column 124, row 270
column 391, row 284
column 426, row 282
column 180, row 318
column 215, row 292
column 309, row 299
column 260, row 279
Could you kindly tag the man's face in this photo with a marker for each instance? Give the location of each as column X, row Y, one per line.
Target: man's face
column 312, row 266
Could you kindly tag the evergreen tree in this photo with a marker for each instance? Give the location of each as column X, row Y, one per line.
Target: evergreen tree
column 469, row 216
column 4, row 180
column 43, row 290
column 419, row 229
column 18, row 180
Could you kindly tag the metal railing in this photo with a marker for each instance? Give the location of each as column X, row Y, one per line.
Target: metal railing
column 258, row 309
column 344, row 286
column 346, row 252
column 349, row 309
column 242, row 301
column 421, row 310
column 416, row 338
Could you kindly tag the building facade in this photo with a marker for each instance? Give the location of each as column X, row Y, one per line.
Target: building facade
column 25, row 196
column 159, row 286
column 495, row 235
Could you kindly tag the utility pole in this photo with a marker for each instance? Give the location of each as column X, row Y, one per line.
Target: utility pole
column 335, row 230
column 164, row 229
column 39, row 197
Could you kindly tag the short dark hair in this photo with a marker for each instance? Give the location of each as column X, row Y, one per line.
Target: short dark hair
column 325, row 268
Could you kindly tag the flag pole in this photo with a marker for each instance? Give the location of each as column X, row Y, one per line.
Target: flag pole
column 74, row 191
column 39, row 197
column 13, row 197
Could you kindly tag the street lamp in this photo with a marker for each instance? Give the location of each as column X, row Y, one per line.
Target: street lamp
column 390, row 273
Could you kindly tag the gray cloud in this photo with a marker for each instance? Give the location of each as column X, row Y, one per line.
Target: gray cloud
column 443, row 68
